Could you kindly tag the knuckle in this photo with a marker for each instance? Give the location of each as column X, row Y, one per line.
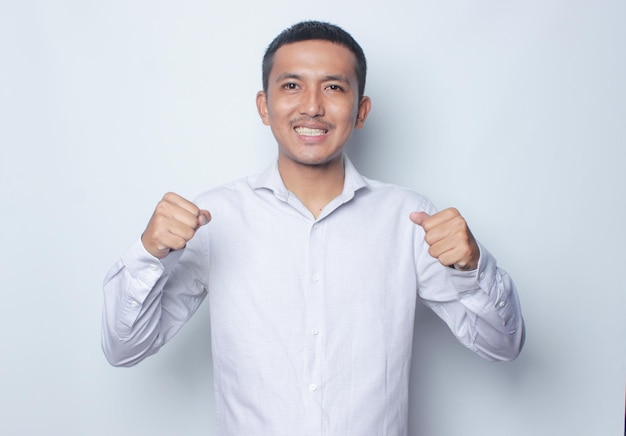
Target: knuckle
column 169, row 196
column 430, row 239
column 188, row 233
column 458, row 222
column 450, row 213
column 180, row 243
column 162, row 207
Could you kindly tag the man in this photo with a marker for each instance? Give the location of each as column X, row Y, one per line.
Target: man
column 312, row 271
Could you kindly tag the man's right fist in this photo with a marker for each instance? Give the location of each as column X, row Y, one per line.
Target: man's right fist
column 173, row 223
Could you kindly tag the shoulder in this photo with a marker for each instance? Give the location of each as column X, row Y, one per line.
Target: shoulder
column 388, row 193
column 231, row 192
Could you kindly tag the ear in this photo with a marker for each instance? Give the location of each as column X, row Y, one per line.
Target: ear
column 261, row 106
column 364, row 109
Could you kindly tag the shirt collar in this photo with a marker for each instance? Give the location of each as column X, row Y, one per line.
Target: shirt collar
column 270, row 179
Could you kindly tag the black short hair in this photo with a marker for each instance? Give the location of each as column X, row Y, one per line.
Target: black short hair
column 311, row 30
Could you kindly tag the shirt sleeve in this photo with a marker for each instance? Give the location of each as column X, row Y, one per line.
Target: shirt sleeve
column 147, row 300
column 481, row 307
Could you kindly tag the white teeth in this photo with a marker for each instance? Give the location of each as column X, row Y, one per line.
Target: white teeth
column 305, row 131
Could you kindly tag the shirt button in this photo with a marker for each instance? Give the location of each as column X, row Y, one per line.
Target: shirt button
column 501, row 304
column 312, row 387
column 315, row 278
column 154, row 267
column 315, row 332
column 482, row 275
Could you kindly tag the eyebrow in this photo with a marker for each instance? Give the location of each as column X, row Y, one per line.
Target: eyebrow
column 328, row 78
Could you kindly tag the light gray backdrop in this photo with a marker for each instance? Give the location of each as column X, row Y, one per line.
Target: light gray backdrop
column 512, row 111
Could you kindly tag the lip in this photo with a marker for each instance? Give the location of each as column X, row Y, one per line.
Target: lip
column 310, row 131
column 310, row 123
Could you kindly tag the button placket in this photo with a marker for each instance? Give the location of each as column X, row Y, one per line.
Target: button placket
column 314, row 325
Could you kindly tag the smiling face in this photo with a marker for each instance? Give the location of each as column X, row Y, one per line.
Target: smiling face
column 312, row 103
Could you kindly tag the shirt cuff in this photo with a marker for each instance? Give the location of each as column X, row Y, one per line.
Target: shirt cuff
column 487, row 288
column 482, row 277
column 146, row 268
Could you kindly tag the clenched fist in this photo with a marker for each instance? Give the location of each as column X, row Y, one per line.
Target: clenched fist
column 449, row 238
column 173, row 223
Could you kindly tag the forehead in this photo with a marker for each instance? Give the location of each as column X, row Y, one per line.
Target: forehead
column 314, row 57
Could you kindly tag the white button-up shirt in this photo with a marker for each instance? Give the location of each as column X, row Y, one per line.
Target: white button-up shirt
column 311, row 319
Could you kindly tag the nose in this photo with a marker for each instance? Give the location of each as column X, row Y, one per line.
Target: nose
column 312, row 103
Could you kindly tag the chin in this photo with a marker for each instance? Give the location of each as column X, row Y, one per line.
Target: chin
column 318, row 161
column 314, row 159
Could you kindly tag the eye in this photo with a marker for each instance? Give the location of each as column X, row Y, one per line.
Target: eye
column 334, row 87
column 290, row 86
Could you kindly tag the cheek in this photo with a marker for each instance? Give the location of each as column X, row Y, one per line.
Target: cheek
column 284, row 100
column 347, row 115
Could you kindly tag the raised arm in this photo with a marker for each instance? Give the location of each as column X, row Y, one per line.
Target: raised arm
column 482, row 309
column 149, row 278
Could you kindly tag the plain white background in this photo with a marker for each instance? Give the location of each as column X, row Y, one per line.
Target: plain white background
column 514, row 112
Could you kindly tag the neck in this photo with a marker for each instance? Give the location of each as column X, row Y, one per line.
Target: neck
column 314, row 185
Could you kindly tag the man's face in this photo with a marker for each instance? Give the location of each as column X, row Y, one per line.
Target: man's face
column 312, row 102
